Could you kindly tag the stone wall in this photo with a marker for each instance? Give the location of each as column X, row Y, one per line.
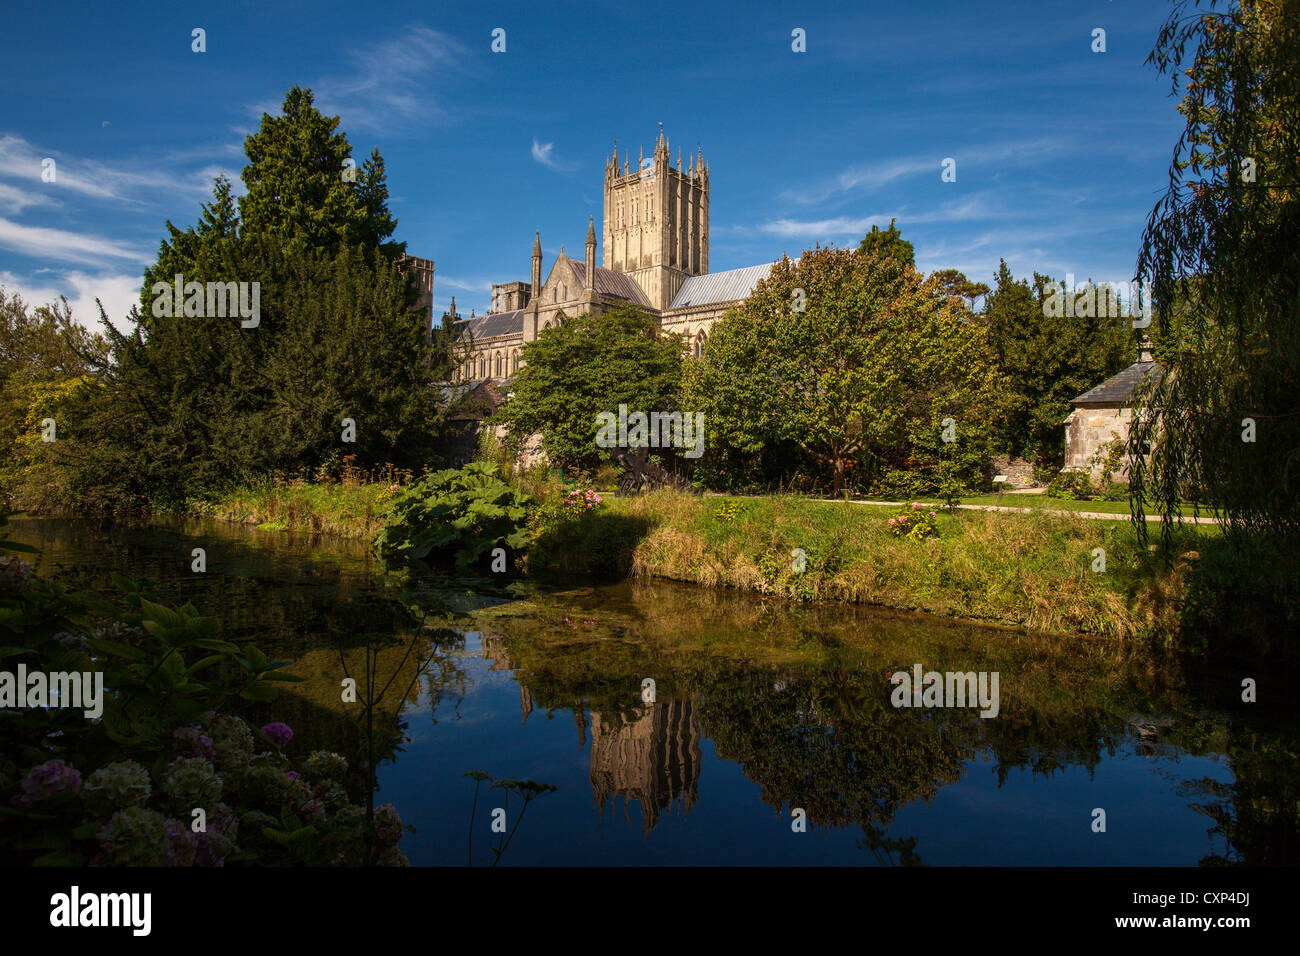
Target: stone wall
column 1088, row 430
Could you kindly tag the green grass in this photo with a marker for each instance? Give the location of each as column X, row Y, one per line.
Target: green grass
column 1063, row 504
column 351, row 510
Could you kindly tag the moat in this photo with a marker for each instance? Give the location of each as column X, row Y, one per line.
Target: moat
column 759, row 709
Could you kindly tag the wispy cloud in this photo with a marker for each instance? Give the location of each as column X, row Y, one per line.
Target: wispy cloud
column 544, row 153
column 971, row 208
column 863, row 179
column 15, row 200
column 128, row 180
column 65, row 246
column 388, row 89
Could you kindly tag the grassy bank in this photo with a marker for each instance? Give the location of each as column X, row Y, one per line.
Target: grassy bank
column 1024, row 570
column 348, row 509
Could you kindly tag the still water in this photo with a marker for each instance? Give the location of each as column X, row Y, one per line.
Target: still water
column 771, row 738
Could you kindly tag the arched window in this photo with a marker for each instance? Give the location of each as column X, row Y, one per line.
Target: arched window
column 700, row 340
column 498, row 365
column 514, row 362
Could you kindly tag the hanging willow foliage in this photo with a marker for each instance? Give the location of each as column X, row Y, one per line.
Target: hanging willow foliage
column 1222, row 252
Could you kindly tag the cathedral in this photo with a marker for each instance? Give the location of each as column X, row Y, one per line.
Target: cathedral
column 654, row 254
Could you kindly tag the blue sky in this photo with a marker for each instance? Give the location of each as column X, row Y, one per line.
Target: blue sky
column 1061, row 152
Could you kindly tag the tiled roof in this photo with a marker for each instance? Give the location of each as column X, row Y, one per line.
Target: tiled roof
column 495, row 323
column 719, row 287
column 1119, row 388
column 609, row 282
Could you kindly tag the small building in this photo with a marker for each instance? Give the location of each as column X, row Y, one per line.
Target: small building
column 1103, row 414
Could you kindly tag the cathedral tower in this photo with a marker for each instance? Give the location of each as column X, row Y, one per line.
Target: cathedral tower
column 657, row 221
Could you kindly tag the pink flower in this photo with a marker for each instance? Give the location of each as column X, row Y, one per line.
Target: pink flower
column 278, row 733
column 917, row 506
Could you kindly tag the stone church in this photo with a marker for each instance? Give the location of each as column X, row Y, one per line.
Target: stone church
column 654, row 254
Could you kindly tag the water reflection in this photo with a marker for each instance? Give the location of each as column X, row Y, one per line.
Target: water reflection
column 761, row 708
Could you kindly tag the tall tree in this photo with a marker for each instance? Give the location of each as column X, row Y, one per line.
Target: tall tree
column 298, row 194
column 190, row 403
column 954, row 283
column 1222, row 249
column 588, row 365
column 856, row 385
column 1048, row 358
column 888, row 242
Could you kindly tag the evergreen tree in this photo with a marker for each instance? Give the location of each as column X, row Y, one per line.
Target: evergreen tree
column 1047, row 361
column 191, row 403
column 888, row 242
column 298, row 196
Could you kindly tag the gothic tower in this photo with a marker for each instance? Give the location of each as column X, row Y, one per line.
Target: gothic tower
column 657, row 221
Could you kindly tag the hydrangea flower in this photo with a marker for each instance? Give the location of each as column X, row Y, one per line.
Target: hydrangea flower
column 180, row 846
column 191, row 782
column 323, row 765
column 50, row 779
column 278, row 733
column 388, row 826
column 218, row 841
column 14, row 570
column 232, row 741
column 134, row 837
column 118, row 785
column 193, row 742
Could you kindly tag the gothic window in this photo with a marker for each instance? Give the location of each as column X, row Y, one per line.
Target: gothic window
column 498, row 365
column 514, row 362
column 699, row 344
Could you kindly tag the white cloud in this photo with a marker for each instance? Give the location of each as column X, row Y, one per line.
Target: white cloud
column 15, row 200
column 388, row 88
column 544, row 153
column 126, row 180
column 117, row 292
column 965, row 210
column 865, row 179
column 60, row 244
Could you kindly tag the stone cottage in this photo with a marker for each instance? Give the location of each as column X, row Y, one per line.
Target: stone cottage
column 1102, row 414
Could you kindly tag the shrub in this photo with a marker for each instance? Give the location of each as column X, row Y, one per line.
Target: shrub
column 121, row 790
column 467, row 511
column 914, row 521
column 1071, row 486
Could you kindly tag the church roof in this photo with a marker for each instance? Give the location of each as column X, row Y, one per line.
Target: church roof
column 720, row 286
column 494, row 323
column 609, row 282
column 1119, row 388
